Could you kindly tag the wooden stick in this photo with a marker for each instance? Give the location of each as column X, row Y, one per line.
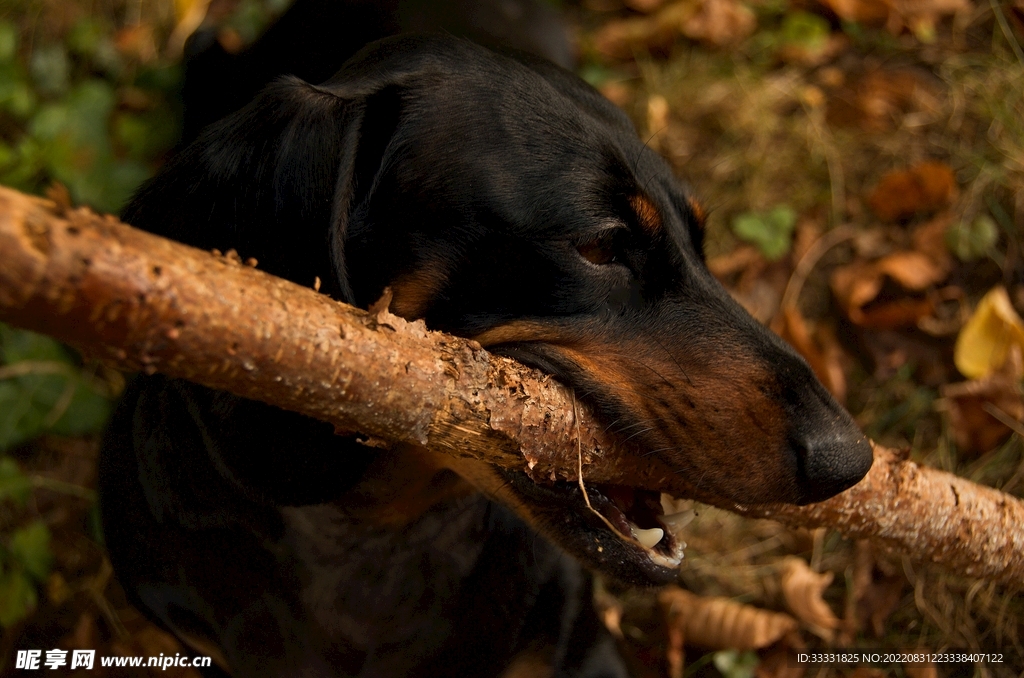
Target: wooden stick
column 140, row 302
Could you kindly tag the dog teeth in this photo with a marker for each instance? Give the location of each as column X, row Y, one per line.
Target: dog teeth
column 670, row 504
column 648, row 537
column 677, row 521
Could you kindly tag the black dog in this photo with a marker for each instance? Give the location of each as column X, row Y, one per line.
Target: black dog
column 499, row 198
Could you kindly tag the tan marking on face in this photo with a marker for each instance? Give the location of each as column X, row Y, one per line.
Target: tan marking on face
column 517, row 330
column 647, row 214
column 412, row 292
column 708, row 418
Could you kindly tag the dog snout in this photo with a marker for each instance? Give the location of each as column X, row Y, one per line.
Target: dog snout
column 832, row 462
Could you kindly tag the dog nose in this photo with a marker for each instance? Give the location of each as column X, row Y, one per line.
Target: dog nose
column 833, row 461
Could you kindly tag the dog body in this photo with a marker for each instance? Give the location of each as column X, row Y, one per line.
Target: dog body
column 501, row 198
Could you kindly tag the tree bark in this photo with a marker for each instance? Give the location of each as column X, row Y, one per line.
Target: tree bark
column 140, row 302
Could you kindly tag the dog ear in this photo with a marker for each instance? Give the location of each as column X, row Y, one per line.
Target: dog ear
column 276, row 180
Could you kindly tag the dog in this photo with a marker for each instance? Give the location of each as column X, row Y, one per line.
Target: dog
column 500, row 198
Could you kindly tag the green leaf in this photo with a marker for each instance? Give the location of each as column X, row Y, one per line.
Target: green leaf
column 30, row 546
column 736, row 664
column 17, row 344
column 805, row 30
column 14, row 485
column 87, row 412
column 771, row 232
column 973, row 241
column 51, row 68
column 8, row 42
column 90, row 38
column 17, row 597
column 52, row 394
column 74, row 138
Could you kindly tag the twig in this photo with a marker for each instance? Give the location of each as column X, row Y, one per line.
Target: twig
column 140, row 302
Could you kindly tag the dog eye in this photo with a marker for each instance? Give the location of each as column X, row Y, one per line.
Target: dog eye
column 602, row 249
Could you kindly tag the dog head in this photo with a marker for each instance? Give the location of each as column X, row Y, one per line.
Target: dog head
column 503, row 199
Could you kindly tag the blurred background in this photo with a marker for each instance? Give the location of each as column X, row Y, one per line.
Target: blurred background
column 862, row 166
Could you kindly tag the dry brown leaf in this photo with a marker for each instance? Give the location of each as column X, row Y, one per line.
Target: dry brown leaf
column 875, row 592
column 675, row 651
column 713, row 22
column 924, row 670
column 924, row 188
column 781, row 660
column 719, row 623
column 889, row 350
column 912, row 270
column 719, row 23
column 626, row 38
column 645, row 6
column 981, row 412
column 136, row 42
column 920, row 16
column 819, row 349
column 805, row 55
column 861, row 11
column 877, row 99
column 727, row 265
column 802, row 589
column 857, row 287
column 867, row 672
column 618, row 93
column 985, row 342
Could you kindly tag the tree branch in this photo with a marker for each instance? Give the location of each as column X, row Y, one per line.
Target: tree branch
column 140, row 302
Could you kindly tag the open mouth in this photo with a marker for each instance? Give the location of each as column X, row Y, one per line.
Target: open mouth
column 622, row 530
column 653, row 521
column 632, row 534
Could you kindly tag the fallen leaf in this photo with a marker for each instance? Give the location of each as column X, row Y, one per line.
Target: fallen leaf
column 617, row 92
column 802, row 589
column 136, row 42
column 645, row 6
column 924, row 188
column 919, row 16
column 819, row 349
column 867, row 672
column 861, row 11
column 720, row 23
column 713, row 22
column 721, row 623
column 875, row 592
column 984, row 412
column 781, row 660
column 890, row 350
column 858, row 287
column 923, row 670
column 626, row 38
column 984, row 343
column 876, row 100
column 727, row 265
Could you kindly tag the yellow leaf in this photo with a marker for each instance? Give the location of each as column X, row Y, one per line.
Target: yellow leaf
column 986, row 340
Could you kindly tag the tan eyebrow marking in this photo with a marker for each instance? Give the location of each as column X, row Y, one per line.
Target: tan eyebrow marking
column 699, row 213
column 647, row 213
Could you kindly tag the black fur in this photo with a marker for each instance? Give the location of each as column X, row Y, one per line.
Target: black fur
column 504, row 199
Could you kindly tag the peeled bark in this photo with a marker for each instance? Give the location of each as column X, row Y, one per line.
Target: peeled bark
column 140, row 302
